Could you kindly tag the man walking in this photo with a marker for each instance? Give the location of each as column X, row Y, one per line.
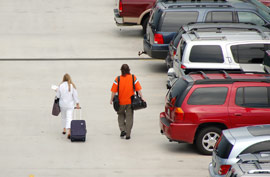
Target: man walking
column 125, row 113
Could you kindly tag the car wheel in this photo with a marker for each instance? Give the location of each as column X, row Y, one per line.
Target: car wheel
column 207, row 139
column 144, row 24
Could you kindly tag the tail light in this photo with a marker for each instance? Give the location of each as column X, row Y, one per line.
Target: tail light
column 158, row 39
column 178, row 114
column 120, row 6
column 183, row 67
column 224, row 169
column 174, row 52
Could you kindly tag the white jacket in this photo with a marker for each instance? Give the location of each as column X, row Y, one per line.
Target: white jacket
column 67, row 99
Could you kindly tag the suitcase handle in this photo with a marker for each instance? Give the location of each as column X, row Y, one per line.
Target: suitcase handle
column 74, row 114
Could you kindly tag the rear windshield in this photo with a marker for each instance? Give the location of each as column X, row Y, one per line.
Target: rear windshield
column 224, row 148
column 177, row 90
column 206, row 54
column 173, row 20
column 251, row 53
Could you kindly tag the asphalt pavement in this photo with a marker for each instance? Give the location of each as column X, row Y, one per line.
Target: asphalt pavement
column 42, row 40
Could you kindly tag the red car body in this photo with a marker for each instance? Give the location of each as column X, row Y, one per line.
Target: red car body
column 133, row 12
column 183, row 123
column 265, row 2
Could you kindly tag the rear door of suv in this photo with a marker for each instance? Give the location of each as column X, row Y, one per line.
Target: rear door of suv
column 249, row 104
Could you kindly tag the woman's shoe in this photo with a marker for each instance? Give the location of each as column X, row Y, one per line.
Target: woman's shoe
column 68, row 136
column 64, row 133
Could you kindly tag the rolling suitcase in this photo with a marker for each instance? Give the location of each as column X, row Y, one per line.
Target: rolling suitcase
column 78, row 128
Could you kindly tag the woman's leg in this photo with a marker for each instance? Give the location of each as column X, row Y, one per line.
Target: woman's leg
column 69, row 114
column 63, row 115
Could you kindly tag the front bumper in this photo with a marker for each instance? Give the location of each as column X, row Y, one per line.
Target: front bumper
column 158, row 51
column 179, row 132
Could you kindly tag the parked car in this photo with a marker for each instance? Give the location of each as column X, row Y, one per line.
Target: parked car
column 133, row 12
column 168, row 16
column 237, row 141
column 199, row 106
column 208, row 27
column 265, row 2
column 236, row 48
column 251, row 165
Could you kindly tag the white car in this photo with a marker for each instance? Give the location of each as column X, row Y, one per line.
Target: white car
column 231, row 49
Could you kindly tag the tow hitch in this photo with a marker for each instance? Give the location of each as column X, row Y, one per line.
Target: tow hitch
column 142, row 52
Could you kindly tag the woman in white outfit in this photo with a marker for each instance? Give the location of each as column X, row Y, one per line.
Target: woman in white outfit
column 68, row 98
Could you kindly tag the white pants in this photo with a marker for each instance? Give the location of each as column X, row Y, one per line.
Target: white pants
column 66, row 114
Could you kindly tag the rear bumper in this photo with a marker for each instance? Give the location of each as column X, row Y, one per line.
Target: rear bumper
column 211, row 171
column 120, row 21
column 180, row 132
column 159, row 51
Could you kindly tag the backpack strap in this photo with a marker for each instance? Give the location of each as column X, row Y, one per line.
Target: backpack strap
column 118, row 80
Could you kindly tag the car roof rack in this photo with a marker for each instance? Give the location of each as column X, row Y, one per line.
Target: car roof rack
column 199, row 5
column 197, row 36
column 192, row 1
column 219, row 28
column 228, row 78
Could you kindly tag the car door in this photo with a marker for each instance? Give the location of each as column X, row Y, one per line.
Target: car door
column 249, row 104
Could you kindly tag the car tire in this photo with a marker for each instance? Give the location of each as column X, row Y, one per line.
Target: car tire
column 144, row 24
column 207, row 139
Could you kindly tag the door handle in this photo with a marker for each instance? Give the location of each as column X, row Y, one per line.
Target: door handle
column 237, row 114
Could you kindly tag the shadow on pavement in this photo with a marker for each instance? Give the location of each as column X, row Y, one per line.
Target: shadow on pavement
column 180, row 148
column 128, row 31
column 158, row 66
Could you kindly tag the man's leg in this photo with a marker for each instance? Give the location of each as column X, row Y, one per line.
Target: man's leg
column 129, row 120
column 121, row 118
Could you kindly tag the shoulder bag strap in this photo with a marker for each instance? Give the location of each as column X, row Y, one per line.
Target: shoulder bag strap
column 118, row 78
column 133, row 84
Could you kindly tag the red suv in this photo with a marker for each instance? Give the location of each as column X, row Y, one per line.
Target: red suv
column 199, row 106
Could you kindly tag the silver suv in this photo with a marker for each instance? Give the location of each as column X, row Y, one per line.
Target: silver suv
column 251, row 165
column 233, row 47
column 237, row 141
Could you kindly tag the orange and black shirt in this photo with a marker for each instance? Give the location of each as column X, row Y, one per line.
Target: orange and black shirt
column 125, row 88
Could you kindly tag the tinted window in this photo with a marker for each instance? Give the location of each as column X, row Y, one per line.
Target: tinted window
column 219, row 17
column 250, row 17
column 173, row 20
column 177, row 90
column 251, row 53
column 206, row 54
column 223, row 148
column 253, row 97
column 208, row 96
column 258, row 147
column 155, row 17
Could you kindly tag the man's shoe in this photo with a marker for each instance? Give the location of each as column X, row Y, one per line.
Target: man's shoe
column 128, row 137
column 123, row 133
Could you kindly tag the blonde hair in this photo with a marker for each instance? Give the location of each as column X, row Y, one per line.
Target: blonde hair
column 67, row 79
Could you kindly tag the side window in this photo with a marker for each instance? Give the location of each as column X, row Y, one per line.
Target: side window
column 206, row 54
column 250, row 17
column 219, row 17
column 173, row 20
column 182, row 48
column 257, row 148
column 254, row 97
column 251, row 53
column 208, row 96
